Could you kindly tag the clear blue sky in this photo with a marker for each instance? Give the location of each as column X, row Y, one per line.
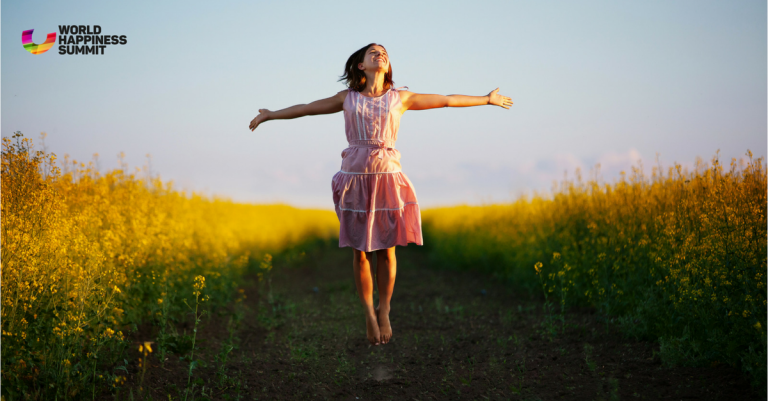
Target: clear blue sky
column 592, row 81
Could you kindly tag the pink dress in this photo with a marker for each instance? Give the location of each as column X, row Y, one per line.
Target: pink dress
column 375, row 201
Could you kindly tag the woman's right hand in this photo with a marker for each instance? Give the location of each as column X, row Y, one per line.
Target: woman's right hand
column 263, row 116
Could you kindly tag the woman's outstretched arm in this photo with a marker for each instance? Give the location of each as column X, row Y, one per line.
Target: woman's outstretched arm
column 333, row 104
column 419, row 101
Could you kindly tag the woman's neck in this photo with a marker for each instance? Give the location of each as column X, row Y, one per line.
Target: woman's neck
column 374, row 85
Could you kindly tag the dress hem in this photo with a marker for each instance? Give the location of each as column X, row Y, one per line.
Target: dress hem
column 378, row 249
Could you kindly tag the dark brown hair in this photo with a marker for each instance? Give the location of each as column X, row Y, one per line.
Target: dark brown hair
column 355, row 78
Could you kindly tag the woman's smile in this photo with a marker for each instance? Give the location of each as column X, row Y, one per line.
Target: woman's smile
column 378, row 55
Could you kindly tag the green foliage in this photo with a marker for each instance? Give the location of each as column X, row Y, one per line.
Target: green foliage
column 680, row 257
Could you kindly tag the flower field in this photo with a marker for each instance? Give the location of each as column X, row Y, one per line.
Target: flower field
column 678, row 257
column 87, row 256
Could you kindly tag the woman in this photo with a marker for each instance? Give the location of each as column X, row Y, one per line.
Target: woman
column 374, row 200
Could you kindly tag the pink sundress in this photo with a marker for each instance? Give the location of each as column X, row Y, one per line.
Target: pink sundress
column 374, row 200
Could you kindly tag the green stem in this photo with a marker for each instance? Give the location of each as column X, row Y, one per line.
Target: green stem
column 94, row 378
column 192, row 353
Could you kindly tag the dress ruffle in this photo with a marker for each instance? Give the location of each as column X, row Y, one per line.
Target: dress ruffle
column 376, row 210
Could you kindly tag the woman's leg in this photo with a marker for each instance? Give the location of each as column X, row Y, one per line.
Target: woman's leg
column 386, row 269
column 364, row 282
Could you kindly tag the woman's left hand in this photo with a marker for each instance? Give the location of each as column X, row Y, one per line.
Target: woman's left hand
column 498, row 100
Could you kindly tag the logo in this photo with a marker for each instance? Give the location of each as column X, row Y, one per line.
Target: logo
column 26, row 40
column 74, row 39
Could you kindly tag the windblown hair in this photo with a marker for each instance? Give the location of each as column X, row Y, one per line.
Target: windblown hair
column 355, row 78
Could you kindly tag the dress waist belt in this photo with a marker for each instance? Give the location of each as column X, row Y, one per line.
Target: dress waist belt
column 378, row 146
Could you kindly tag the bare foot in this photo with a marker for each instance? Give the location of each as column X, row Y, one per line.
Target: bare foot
column 372, row 329
column 384, row 326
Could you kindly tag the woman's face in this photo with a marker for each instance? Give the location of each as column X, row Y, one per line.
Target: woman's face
column 376, row 59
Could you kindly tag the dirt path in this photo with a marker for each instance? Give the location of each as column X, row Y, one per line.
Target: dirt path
column 457, row 335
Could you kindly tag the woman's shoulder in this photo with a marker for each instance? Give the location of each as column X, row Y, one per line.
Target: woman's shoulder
column 342, row 95
column 402, row 92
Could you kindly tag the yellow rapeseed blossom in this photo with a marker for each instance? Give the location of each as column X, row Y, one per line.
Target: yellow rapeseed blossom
column 266, row 264
column 199, row 282
column 666, row 248
column 82, row 250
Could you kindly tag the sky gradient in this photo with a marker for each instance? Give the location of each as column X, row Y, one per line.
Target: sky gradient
column 592, row 82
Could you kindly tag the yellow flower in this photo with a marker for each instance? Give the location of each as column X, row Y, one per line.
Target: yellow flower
column 266, row 264
column 758, row 326
column 199, row 283
column 538, row 267
column 146, row 345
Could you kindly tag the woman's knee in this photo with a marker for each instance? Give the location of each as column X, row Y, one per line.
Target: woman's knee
column 386, row 255
column 361, row 256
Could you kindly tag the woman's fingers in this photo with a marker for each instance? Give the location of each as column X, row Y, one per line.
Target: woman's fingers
column 256, row 121
column 504, row 101
column 499, row 100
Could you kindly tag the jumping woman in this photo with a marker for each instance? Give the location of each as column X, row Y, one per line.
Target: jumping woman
column 375, row 201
